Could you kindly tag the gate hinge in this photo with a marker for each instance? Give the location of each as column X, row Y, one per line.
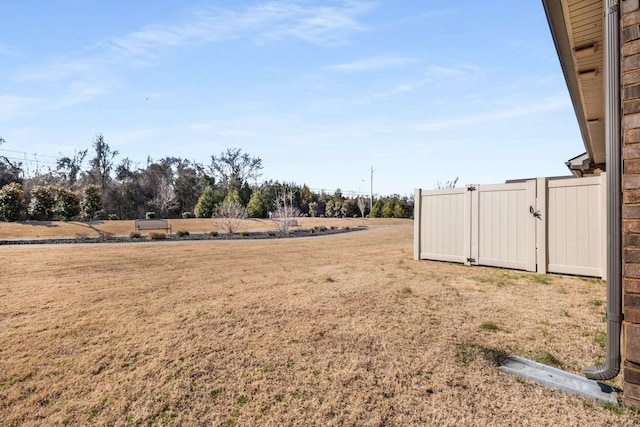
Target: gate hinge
column 471, row 188
column 471, row 260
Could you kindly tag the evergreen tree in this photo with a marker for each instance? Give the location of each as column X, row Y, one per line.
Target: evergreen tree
column 257, row 207
column 208, row 201
column 245, row 193
column 398, row 210
column 91, row 202
column 232, row 197
column 387, row 209
column 376, row 211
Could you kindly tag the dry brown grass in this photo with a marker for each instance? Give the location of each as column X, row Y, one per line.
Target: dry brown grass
column 338, row 330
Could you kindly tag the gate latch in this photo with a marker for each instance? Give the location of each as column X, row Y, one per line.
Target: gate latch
column 535, row 213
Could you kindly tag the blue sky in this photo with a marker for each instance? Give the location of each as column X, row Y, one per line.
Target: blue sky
column 424, row 91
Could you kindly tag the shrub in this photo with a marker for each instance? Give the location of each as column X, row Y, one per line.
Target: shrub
column 91, row 203
column 113, row 217
column 101, row 214
column 150, row 215
column 42, row 204
column 322, row 228
column 135, row 235
column 333, row 227
column 245, row 234
column 12, row 204
column 181, row 233
column 271, row 233
column 213, row 233
column 231, row 215
column 187, row 215
column 157, row 236
column 285, row 213
column 105, row 235
column 67, row 203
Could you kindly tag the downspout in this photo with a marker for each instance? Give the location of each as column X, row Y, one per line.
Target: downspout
column 611, row 367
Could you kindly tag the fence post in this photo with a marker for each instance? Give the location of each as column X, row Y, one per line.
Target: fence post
column 417, row 223
column 603, row 233
column 471, row 226
column 531, row 226
column 541, row 226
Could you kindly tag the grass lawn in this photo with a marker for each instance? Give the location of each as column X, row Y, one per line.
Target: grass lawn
column 331, row 331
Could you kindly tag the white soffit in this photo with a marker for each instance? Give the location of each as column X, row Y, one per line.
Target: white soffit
column 578, row 32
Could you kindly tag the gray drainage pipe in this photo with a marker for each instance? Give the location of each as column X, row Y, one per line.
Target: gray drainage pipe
column 611, row 367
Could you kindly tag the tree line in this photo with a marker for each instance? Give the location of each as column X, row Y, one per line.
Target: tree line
column 171, row 187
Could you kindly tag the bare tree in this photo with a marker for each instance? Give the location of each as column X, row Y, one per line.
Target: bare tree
column 285, row 213
column 102, row 163
column 447, row 185
column 70, row 167
column 9, row 171
column 231, row 216
column 165, row 200
column 233, row 167
column 362, row 204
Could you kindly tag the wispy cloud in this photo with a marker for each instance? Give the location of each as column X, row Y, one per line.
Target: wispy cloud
column 14, row 105
column 507, row 113
column 269, row 22
column 432, row 75
column 322, row 25
column 82, row 91
column 377, row 63
column 59, row 71
column 441, row 72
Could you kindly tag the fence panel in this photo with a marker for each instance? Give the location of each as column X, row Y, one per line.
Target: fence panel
column 507, row 226
column 441, row 233
column 576, row 239
column 537, row 225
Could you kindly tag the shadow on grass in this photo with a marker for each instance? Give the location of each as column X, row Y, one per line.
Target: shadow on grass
column 51, row 224
column 92, row 226
column 37, row 223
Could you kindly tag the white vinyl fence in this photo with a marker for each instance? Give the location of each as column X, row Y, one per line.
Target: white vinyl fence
column 538, row 225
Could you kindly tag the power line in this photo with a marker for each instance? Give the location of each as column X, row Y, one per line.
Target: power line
column 29, row 160
column 30, row 154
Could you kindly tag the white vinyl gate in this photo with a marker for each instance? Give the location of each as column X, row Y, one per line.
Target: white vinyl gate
column 537, row 225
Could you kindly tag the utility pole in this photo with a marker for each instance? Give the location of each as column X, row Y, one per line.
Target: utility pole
column 371, row 194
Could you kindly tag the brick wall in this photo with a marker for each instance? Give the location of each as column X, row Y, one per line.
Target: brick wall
column 630, row 58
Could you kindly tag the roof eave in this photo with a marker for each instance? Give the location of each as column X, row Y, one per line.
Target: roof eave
column 556, row 19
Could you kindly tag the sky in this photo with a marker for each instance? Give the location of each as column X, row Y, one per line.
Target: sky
column 420, row 91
